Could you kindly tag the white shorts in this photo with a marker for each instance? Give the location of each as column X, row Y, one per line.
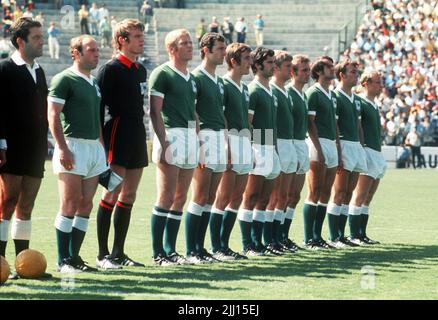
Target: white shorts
column 241, row 154
column 267, row 163
column 287, row 155
column 89, row 158
column 183, row 148
column 376, row 164
column 329, row 151
column 302, row 156
column 353, row 156
column 212, row 150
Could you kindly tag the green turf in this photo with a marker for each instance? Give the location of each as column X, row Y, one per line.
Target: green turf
column 403, row 216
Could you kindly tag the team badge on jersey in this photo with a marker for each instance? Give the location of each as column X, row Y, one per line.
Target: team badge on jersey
column 358, row 105
column 143, row 88
column 221, row 87
column 335, row 102
column 194, row 86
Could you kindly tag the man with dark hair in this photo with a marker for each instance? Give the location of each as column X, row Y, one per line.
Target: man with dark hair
column 324, row 152
column 213, row 159
column 233, row 182
column 23, row 132
column 262, row 116
column 123, row 85
column 79, row 156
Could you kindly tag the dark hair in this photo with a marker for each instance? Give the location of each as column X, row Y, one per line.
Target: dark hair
column 234, row 51
column 318, row 66
column 21, row 29
column 341, row 67
column 258, row 56
column 208, row 40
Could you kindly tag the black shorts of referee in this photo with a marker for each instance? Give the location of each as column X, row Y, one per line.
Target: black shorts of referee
column 24, row 158
column 125, row 142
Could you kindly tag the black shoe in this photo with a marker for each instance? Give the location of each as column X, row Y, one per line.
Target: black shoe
column 324, row 245
column 289, row 246
column 271, row 250
column 82, row 265
column 237, row 256
column 163, row 261
column 205, row 255
column 177, row 258
column 311, row 245
column 195, row 258
column 251, row 251
column 369, row 241
column 126, row 261
column 347, row 242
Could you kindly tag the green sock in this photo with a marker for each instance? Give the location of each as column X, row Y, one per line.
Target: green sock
column 158, row 223
column 257, row 228
column 216, row 217
column 171, row 231
column 228, row 221
column 80, row 225
column 268, row 232
column 342, row 223
column 245, row 222
column 63, row 241
column 319, row 221
column 202, row 230
column 333, row 223
column 354, row 221
column 364, row 223
column 309, row 215
column 276, row 231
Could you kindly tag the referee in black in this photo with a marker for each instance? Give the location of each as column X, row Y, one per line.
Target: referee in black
column 23, row 133
column 123, row 84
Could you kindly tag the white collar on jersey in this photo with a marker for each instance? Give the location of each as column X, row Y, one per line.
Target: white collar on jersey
column 228, row 78
column 214, row 79
column 298, row 92
column 185, row 76
column 328, row 94
column 83, row 76
column 263, row 87
column 351, row 99
column 283, row 91
column 370, row 102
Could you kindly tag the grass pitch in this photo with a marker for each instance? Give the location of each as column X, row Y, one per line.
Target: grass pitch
column 403, row 217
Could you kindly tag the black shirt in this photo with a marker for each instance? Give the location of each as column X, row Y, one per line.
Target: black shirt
column 123, row 86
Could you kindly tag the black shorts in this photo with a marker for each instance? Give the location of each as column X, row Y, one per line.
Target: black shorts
column 125, row 142
column 22, row 160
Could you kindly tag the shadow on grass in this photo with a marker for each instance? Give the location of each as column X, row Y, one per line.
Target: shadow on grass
column 188, row 280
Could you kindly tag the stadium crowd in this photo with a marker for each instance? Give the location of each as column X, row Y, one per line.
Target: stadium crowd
column 397, row 38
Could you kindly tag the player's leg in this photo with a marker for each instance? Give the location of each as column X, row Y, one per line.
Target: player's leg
column 343, row 217
column 365, row 213
column 9, row 192
column 294, row 195
column 339, row 192
column 263, row 228
column 281, row 212
column 21, row 224
column 322, row 204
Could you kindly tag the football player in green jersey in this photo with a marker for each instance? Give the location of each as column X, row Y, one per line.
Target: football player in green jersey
column 287, row 154
column 172, row 110
column 324, row 152
column 300, row 77
column 376, row 166
column 353, row 155
column 233, row 182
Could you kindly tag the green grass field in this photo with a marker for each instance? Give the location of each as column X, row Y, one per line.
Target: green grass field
column 403, row 217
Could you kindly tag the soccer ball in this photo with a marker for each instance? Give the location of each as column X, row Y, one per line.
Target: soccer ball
column 4, row 268
column 30, row 264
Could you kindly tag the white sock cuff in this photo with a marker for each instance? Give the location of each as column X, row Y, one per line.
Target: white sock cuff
column 63, row 223
column 207, row 208
column 21, row 229
column 334, row 209
column 320, row 204
column 365, row 210
column 354, row 211
column 4, row 230
column 311, row 203
column 278, row 215
column 344, row 209
column 258, row 215
column 195, row 208
column 290, row 212
column 217, row 211
column 231, row 210
column 80, row 223
column 269, row 215
column 244, row 215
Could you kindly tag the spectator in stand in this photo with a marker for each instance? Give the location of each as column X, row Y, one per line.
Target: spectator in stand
column 201, row 29
column 403, row 157
column 28, row 13
column 147, row 12
column 259, row 25
column 105, row 31
column 103, row 12
column 227, row 29
column 214, row 25
column 53, row 33
column 113, row 22
column 8, row 19
column 40, row 18
column 413, row 140
column 18, row 13
column 241, row 29
column 94, row 19
column 83, row 19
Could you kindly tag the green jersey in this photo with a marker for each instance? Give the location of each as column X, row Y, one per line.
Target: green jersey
column 80, row 95
column 236, row 100
column 299, row 112
column 348, row 111
column 370, row 120
column 178, row 91
column 285, row 121
column 209, row 100
column 263, row 106
column 322, row 105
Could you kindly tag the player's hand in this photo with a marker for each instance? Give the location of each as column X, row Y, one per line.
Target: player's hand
column 66, row 158
column 321, row 158
column 2, row 157
column 340, row 165
column 166, row 153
